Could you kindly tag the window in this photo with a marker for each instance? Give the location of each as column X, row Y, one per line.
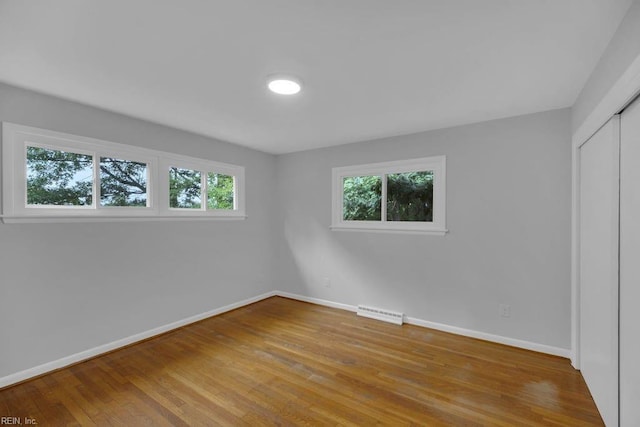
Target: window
column 58, row 178
column 198, row 188
column 123, row 182
column 220, row 194
column 185, row 188
column 362, row 198
column 402, row 196
column 49, row 176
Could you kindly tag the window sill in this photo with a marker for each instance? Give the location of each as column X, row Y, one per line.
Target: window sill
column 395, row 230
column 114, row 218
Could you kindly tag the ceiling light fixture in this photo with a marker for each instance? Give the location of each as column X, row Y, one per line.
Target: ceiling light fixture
column 284, row 85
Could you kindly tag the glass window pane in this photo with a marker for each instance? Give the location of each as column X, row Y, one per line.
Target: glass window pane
column 220, row 191
column 122, row 182
column 59, row 178
column 410, row 196
column 362, row 198
column 184, row 188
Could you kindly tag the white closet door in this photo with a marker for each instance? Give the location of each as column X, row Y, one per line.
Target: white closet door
column 630, row 267
column 599, row 207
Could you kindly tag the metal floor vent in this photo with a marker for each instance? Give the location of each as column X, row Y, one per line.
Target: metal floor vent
column 380, row 314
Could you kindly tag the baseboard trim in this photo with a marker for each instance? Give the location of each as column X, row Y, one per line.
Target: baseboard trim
column 36, row 371
column 513, row 342
column 105, row 348
column 318, row 301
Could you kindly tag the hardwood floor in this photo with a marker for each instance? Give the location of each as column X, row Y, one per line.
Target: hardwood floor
column 284, row 362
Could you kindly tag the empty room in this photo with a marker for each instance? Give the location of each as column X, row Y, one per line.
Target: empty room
column 320, row 212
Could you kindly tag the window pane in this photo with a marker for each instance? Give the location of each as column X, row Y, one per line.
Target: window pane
column 59, row 178
column 220, row 191
column 184, row 188
column 362, row 198
column 122, row 182
column 410, row 196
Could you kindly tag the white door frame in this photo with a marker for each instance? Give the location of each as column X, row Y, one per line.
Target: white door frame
column 621, row 93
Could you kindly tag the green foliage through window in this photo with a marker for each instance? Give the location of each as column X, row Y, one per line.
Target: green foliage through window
column 410, row 196
column 122, row 182
column 184, row 188
column 59, row 178
column 219, row 191
column 362, row 198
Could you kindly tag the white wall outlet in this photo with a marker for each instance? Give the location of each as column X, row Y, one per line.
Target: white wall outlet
column 326, row 282
column 505, row 310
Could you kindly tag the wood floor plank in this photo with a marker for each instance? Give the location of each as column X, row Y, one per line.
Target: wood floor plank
column 285, row 362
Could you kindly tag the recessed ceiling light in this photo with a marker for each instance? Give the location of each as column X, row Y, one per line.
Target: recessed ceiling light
column 284, row 85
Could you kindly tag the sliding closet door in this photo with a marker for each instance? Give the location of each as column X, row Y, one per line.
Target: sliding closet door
column 630, row 266
column 599, row 202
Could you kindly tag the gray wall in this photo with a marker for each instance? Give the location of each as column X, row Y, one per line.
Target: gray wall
column 623, row 49
column 65, row 288
column 508, row 212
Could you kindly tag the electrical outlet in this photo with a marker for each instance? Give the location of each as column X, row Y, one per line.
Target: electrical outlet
column 505, row 310
column 326, row 282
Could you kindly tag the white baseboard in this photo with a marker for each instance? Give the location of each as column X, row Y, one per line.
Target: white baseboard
column 513, row 342
column 105, row 348
column 318, row 301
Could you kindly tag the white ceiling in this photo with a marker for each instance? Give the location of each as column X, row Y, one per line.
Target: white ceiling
column 370, row 68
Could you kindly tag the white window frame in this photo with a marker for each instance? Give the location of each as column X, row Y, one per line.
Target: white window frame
column 16, row 138
column 437, row 164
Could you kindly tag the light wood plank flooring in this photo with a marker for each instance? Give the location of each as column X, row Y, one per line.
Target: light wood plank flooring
column 284, row 362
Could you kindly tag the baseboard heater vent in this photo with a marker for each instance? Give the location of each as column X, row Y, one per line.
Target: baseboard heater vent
column 380, row 314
